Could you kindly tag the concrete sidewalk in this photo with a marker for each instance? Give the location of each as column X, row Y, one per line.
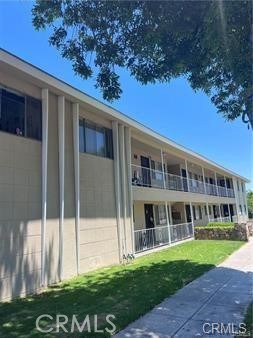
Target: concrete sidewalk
column 219, row 296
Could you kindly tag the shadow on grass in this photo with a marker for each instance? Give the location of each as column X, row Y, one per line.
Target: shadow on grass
column 126, row 293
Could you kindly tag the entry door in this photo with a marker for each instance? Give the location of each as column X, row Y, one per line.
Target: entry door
column 146, row 178
column 185, row 185
column 149, row 216
column 188, row 213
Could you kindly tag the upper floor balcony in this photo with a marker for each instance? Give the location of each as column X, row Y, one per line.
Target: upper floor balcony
column 147, row 177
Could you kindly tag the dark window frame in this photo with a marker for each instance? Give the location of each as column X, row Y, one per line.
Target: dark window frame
column 24, row 130
column 108, row 138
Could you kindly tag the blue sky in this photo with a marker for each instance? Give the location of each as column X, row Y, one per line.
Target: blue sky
column 173, row 109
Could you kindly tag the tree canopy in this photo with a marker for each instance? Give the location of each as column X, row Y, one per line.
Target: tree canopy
column 207, row 42
column 250, row 203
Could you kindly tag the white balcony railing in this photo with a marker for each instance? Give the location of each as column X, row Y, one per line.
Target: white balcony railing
column 147, row 177
column 147, row 239
column 220, row 219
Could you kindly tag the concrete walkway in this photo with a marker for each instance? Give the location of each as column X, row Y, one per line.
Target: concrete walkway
column 219, row 296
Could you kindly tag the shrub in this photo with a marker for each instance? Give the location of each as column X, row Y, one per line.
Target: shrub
column 221, row 224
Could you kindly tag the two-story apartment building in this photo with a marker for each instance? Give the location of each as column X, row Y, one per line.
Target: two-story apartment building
column 83, row 186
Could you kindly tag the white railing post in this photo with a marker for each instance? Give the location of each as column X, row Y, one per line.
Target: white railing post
column 168, row 221
column 164, row 182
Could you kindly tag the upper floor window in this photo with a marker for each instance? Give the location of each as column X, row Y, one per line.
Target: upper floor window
column 242, row 184
column 95, row 139
column 238, row 186
column 20, row 114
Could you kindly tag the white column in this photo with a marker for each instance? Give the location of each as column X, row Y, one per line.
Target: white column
column 164, row 182
column 204, row 181
column 117, row 183
column 192, row 218
column 220, row 212
column 226, row 186
column 75, row 108
column 129, row 179
column 207, row 208
column 187, row 175
column 61, row 135
column 170, row 213
column 229, row 213
column 45, row 108
column 168, row 221
column 123, row 182
column 216, row 182
column 237, row 199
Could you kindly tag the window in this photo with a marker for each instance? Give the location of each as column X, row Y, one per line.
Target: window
column 20, row 114
column 238, row 187
column 160, row 214
column 205, row 209
column 245, row 209
column 95, row 139
column 242, row 186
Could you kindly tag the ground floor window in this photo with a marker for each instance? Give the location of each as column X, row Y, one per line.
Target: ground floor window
column 160, row 214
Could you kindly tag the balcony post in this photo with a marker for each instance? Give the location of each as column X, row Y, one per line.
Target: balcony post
column 226, row 186
column 164, row 182
column 168, row 221
column 187, row 175
column 216, row 182
column 229, row 213
column 207, row 208
column 204, row 181
column 192, row 218
column 220, row 212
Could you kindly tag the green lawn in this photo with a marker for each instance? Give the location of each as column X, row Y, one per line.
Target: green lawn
column 124, row 291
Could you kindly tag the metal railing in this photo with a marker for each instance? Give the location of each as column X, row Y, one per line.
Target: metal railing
column 179, row 232
column 147, row 239
column 211, row 189
column 147, row 177
column 220, row 219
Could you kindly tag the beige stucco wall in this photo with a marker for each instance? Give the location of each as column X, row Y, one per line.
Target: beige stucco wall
column 98, row 225
column 20, row 213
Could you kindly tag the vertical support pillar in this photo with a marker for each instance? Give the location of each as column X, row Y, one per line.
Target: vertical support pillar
column 168, row 221
column 192, row 218
column 216, row 183
column 226, row 186
column 170, row 213
column 207, row 208
column 237, row 199
column 164, row 182
column 75, row 108
column 115, row 132
column 129, row 181
column 187, row 175
column 61, row 134
column 220, row 212
column 123, row 183
column 204, row 180
column 45, row 108
column 229, row 213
